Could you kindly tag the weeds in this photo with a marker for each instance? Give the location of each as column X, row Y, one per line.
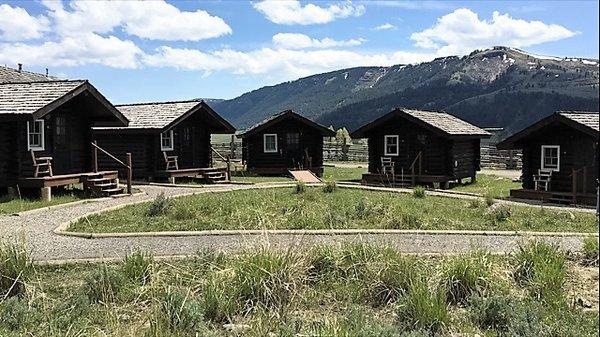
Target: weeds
column 138, row 266
column 330, row 186
column 489, row 199
column 219, row 298
column 590, row 251
column 159, row 206
column 300, row 187
column 103, row 284
column 422, row 310
column 418, row 192
column 15, row 268
column 492, row 312
column 465, row 276
column 541, row 267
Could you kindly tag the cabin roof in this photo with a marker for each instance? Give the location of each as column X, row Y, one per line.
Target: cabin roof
column 276, row 118
column 165, row 115
column 440, row 122
column 8, row 75
column 583, row 121
column 38, row 98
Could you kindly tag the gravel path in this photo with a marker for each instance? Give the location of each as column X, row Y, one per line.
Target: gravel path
column 37, row 230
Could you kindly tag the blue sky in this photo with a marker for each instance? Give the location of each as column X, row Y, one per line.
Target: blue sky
column 135, row 51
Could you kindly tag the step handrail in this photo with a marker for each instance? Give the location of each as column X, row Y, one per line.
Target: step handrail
column 128, row 166
column 226, row 159
column 412, row 166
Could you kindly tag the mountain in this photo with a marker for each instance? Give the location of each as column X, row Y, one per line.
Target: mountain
column 501, row 86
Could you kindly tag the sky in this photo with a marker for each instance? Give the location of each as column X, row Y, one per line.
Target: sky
column 171, row 50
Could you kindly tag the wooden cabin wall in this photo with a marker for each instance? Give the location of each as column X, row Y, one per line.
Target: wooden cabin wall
column 465, row 158
column 119, row 144
column 194, row 151
column 413, row 139
column 310, row 139
column 576, row 151
column 8, row 167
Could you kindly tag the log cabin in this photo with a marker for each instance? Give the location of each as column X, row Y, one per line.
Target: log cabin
column 560, row 158
column 282, row 142
column 409, row 147
column 45, row 132
column 167, row 140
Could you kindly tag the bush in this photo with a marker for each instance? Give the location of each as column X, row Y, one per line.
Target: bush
column 499, row 212
column 489, row 199
column 330, row 186
column 590, row 251
column 300, row 187
column 138, row 267
column 422, row 310
column 103, row 284
column 492, row 312
column 541, row 267
column 465, row 276
column 177, row 312
column 15, row 268
column 418, row 192
column 161, row 205
column 14, row 313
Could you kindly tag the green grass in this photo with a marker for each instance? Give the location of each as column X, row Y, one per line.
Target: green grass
column 325, row 291
column 494, row 186
column 246, row 177
column 343, row 173
column 281, row 208
column 10, row 206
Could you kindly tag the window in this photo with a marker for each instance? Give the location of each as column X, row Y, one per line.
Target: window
column 270, row 143
column 293, row 140
column 60, row 129
column 35, row 135
column 391, row 145
column 166, row 141
column 187, row 139
column 551, row 157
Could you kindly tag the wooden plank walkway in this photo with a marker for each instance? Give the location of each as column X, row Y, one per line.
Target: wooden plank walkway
column 305, row 176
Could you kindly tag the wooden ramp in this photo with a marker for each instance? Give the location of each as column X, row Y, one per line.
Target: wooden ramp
column 305, row 176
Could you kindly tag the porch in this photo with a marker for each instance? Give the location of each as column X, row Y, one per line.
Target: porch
column 405, row 180
column 208, row 174
column 554, row 196
column 102, row 183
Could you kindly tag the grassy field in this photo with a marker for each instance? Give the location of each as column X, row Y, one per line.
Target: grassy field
column 285, row 208
column 342, row 291
column 11, row 206
column 494, row 186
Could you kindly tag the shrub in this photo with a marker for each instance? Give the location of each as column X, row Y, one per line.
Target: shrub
column 103, row 284
column 268, row 278
column 489, row 199
column 177, row 312
column 499, row 212
column 330, row 186
column 159, row 206
column 418, row 192
column 15, row 268
column 464, row 276
column 590, row 251
column 422, row 310
column 14, row 313
column 138, row 266
column 300, row 187
column 492, row 312
column 541, row 267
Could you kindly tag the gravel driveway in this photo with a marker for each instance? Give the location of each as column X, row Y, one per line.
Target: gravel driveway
column 37, row 230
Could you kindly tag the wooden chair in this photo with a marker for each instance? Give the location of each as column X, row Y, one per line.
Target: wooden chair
column 171, row 162
column 41, row 165
column 542, row 180
column 387, row 165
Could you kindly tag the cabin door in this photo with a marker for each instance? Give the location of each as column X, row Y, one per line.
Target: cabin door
column 419, row 146
column 293, row 150
column 61, row 157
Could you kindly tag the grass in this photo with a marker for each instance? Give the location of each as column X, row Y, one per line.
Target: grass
column 494, row 186
column 323, row 291
column 281, row 208
column 330, row 174
column 11, row 205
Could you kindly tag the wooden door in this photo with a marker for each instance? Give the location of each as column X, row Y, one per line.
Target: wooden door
column 61, row 151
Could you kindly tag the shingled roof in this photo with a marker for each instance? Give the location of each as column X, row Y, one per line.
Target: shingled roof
column 161, row 115
column 440, row 122
column 284, row 115
column 586, row 122
column 8, row 75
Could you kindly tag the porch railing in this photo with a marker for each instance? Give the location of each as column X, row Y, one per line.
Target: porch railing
column 127, row 165
column 226, row 159
column 416, row 162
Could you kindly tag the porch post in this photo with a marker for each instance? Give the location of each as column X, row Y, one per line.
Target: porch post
column 46, row 194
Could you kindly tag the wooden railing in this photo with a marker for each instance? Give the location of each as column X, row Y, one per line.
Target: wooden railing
column 418, row 160
column 128, row 166
column 226, row 159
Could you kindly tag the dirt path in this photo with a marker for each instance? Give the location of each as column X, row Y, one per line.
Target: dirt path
column 37, row 230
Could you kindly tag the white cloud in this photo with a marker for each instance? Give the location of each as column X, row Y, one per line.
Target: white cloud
column 301, row 41
column 17, row 25
column 88, row 48
column 411, row 5
column 291, row 12
column 462, row 31
column 150, row 20
column 385, row 26
column 287, row 64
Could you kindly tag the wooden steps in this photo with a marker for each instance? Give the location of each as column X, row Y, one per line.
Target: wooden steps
column 102, row 184
column 215, row 175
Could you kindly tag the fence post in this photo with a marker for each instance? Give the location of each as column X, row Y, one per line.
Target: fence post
column 228, row 168
column 345, row 148
column 129, row 173
column 232, row 146
column 95, row 157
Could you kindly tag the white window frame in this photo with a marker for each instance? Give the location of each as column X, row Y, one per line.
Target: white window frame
column 544, row 147
column 42, row 134
column 167, row 148
column 385, row 145
column 265, row 150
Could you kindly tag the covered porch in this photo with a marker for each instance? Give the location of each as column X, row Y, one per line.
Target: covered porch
column 102, row 183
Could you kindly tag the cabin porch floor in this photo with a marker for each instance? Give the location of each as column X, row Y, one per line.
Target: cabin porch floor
column 47, row 182
column 554, row 196
column 210, row 174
